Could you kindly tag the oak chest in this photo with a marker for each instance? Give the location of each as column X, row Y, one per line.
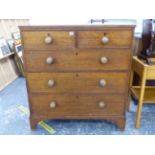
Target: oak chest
column 77, row 72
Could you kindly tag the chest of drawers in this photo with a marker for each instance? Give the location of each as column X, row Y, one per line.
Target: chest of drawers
column 77, row 72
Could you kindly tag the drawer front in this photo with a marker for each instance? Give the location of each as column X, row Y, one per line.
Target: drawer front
column 77, row 105
column 48, row 40
column 89, row 82
column 78, row 60
column 105, row 39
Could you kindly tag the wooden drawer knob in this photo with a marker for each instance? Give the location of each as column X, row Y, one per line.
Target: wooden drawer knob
column 52, row 104
column 105, row 40
column 101, row 104
column 49, row 60
column 102, row 82
column 51, row 83
column 48, row 39
column 103, row 60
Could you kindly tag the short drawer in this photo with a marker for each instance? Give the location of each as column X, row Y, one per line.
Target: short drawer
column 47, row 40
column 78, row 82
column 105, row 39
column 77, row 105
column 78, row 60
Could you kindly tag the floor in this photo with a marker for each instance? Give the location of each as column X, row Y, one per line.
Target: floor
column 14, row 122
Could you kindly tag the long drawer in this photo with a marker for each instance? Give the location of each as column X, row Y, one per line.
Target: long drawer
column 77, row 60
column 88, row 82
column 76, row 105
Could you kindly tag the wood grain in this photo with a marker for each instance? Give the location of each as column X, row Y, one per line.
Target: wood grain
column 77, row 105
column 76, row 27
column 36, row 40
column 92, row 39
column 77, row 82
column 77, row 70
column 79, row 60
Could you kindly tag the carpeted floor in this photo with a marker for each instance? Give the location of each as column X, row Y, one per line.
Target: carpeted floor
column 14, row 122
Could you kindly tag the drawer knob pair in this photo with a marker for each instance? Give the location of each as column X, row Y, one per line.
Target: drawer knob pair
column 102, row 82
column 103, row 60
column 101, row 104
column 51, row 83
column 52, row 104
column 49, row 60
column 48, row 39
column 105, row 40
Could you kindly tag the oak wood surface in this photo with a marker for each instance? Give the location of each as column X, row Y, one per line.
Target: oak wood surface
column 79, row 60
column 75, row 27
column 77, row 105
column 150, row 74
column 77, row 71
column 142, row 93
column 36, row 40
column 119, row 120
column 77, row 82
column 149, row 96
column 92, row 39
